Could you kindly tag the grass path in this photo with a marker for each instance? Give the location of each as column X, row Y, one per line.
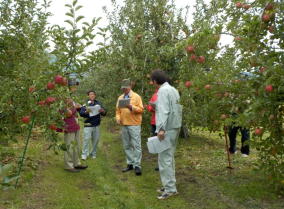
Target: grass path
column 202, row 181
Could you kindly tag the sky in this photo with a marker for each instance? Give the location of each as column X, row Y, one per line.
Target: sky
column 93, row 8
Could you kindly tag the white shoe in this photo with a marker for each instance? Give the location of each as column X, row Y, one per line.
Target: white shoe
column 244, row 155
column 166, row 195
column 84, row 157
column 94, row 157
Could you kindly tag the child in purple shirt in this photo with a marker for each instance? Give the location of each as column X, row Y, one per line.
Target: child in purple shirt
column 72, row 138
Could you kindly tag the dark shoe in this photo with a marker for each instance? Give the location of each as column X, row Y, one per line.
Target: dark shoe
column 81, row 167
column 72, row 170
column 138, row 171
column 157, row 169
column 128, row 168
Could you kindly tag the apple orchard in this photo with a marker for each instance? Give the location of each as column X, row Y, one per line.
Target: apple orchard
column 245, row 77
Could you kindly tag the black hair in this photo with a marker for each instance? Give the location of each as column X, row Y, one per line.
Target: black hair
column 159, row 76
column 90, row 91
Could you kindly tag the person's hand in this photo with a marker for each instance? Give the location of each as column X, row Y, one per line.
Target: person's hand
column 77, row 106
column 153, row 105
column 68, row 113
column 129, row 106
column 161, row 135
column 118, row 122
column 101, row 110
column 88, row 110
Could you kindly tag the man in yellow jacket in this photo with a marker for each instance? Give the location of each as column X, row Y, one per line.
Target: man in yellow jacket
column 129, row 116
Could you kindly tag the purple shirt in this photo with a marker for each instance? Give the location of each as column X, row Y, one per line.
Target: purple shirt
column 71, row 124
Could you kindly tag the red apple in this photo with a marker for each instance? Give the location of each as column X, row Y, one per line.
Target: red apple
column 188, row 84
column 31, row 89
column 193, row 57
column 151, row 83
column 201, row 59
column 239, row 5
column 50, row 86
column 258, row 131
column 246, row 6
column 26, row 119
column 52, row 127
column 58, row 79
column 50, row 100
column 238, row 38
column 207, row 87
column 262, row 69
column 271, row 29
column 190, row 49
column 269, row 6
column 41, row 103
column 266, row 18
column 269, row 88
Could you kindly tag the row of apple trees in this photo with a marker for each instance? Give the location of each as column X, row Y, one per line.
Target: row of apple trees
column 241, row 82
column 36, row 60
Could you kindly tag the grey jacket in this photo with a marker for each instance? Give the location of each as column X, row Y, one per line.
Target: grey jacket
column 168, row 109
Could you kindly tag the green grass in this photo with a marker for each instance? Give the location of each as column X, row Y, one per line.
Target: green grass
column 202, row 179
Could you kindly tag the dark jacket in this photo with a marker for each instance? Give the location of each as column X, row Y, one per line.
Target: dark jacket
column 94, row 120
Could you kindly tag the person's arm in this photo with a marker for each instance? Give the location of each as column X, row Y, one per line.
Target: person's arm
column 118, row 113
column 83, row 112
column 102, row 111
column 152, row 106
column 137, row 107
column 162, row 111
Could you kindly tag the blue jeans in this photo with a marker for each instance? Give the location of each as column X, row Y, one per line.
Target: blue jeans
column 233, row 130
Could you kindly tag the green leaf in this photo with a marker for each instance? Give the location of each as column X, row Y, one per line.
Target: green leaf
column 68, row 5
column 86, row 23
column 69, row 14
column 69, row 22
column 78, row 7
column 79, row 18
column 75, row 2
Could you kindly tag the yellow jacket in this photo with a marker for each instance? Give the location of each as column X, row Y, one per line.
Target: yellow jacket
column 128, row 117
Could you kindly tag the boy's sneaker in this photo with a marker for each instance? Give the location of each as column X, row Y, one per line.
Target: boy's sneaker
column 166, row 195
column 84, row 157
column 94, row 157
column 161, row 190
column 244, row 155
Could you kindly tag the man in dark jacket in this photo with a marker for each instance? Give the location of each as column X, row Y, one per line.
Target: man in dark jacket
column 92, row 111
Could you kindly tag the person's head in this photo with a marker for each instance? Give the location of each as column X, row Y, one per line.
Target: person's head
column 91, row 95
column 159, row 77
column 126, row 86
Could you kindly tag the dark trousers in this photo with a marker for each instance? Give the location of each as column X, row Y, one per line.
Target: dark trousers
column 233, row 130
column 153, row 130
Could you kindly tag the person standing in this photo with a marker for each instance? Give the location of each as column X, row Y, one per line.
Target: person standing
column 168, row 124
column 151, row 107
column 71, row 138
column 91, row 125
column 130, row 118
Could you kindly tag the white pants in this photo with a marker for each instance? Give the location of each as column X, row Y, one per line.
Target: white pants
column 90, row 134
